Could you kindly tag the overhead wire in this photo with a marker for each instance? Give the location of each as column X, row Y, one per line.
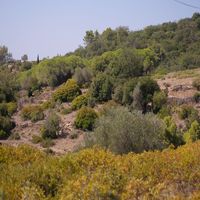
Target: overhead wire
column 187, row 4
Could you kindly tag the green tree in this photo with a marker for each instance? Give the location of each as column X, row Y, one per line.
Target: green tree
column 144, row 94
column 193, row 133
column 4, row 54
column 24, row 58
column 101, row 87
column 125, row 63
column 82, row 76
column 89, row 37
column 122, row 131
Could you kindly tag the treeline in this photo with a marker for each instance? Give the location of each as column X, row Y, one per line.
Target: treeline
column 176, row 44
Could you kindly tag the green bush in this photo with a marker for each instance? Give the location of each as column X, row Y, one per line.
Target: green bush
column 3, row 109
column 159, row 100
column 11, row 107
column 85, row 118
column 82, row 76
column 67, row 92
column 81, row 100
column 193, row 133
column 6, row 125
column 189, row 114
column 3, row 135
column 48, row 104
column 144, row 92
column 122, row 131
column 8, row 85
column 7, row 109
column 185, row 111
column 164, row 112
column 123, row 94
column 196, row 84
column 51, row 126
column 172, row 133
column 33, row 113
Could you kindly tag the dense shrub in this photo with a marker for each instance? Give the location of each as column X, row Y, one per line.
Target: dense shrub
column 123, row 94
column 51, row 126
column 3, row 109
column 185, row 111
column 6, row 125
column 67, row 92
column 193, row 133
column 11, row 107
column 172, row 133
column 123, row 132
column 85, row 118
column 7, row 109
column 189, row 114
column 82, row 76
column 80, row 101
column 101, row 88
column 159, row 100
column 143, row 94
column 48, row 104
column 29, row 82
column 33, row 113
column 3, row 135
column 164, row 112
column 26, row 66
column 8, row 86
column 125, row 63
column 51, row 72
column 76, row 176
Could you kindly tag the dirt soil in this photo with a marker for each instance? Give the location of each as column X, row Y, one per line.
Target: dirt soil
column 26, row 129
column 180, row 90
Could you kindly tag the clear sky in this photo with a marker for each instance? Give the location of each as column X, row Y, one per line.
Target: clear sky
column 51, row 27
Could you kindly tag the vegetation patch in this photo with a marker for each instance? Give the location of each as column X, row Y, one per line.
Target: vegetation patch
column 80, row 101
column 67, row 92
column 33, row 113
column 85, row 118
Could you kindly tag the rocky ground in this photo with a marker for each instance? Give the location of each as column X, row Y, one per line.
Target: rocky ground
column 178, row 85
column 70, row 139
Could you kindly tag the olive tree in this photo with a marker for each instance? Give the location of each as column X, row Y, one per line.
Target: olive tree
column 122, row 131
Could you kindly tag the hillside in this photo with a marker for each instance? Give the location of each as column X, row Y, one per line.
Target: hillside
column 118, row 118
column 63, row 104
column 180, row 92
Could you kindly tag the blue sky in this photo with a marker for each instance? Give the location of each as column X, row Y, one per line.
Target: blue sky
column 51, row 27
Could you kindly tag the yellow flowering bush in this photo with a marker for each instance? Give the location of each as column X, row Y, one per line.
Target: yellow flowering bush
column 91, row 174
